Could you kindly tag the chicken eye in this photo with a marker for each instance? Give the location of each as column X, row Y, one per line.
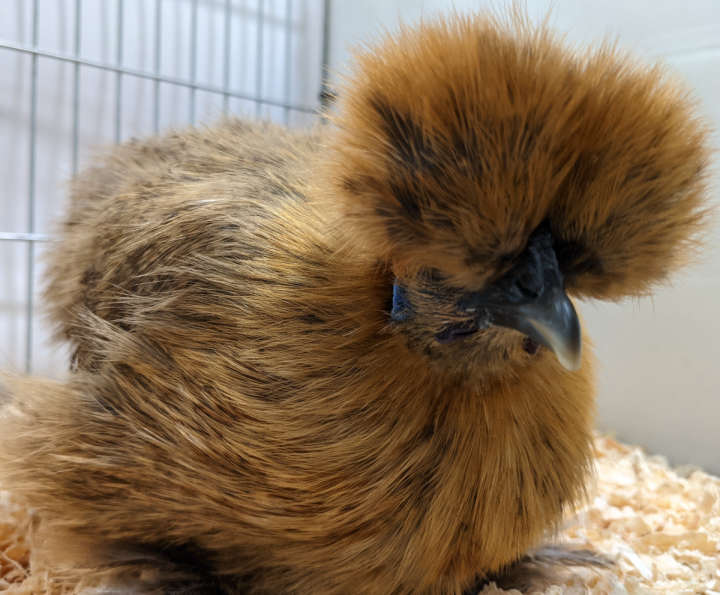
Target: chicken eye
column 433, row 276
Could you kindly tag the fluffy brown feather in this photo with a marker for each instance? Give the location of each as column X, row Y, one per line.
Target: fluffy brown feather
column 457, row 139
column 244, row 416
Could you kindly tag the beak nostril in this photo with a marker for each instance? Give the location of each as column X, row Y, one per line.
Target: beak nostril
column 530, row 346
column 529, row 284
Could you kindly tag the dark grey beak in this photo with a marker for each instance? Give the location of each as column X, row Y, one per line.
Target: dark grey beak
column 530, row 298
column 550, row 320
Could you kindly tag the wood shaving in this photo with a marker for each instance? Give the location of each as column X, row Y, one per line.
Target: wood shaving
column 660, row 526
column 14, row 546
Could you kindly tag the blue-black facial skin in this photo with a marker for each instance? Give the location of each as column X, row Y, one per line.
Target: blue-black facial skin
column 403, row 311
column 401, row 307
column 534, row 279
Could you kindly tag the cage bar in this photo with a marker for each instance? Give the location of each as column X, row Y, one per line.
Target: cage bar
column 30, row 289
column 118, row 73
column 76, row 88
column 288, row 55
column 156, row 63
column 155, row 77
column 226, row 56
column 116, row 66
column 259, row 58
column 193, row 57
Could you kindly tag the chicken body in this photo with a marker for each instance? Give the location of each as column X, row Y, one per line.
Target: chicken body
column 244, row 412
column 239, row 389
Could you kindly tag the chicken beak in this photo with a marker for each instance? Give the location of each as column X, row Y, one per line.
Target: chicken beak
column 531, row 298
column 550, row 320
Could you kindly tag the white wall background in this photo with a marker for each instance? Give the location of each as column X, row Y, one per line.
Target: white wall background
column 659, row 373
column 659, row 358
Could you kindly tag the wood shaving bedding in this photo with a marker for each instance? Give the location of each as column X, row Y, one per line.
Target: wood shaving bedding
column 14, row 546
column 661, row 526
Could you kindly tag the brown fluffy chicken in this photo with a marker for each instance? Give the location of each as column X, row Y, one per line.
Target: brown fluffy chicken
column 345, row 361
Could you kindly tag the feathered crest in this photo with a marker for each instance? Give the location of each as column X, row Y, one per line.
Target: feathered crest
column 457, row 138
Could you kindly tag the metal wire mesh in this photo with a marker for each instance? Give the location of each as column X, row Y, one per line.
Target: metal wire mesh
column 267, row 16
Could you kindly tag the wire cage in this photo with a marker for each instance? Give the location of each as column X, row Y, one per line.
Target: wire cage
column 76, row 75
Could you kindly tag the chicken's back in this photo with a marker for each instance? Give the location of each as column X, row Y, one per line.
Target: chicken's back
column 227, row 352
column 151, row 206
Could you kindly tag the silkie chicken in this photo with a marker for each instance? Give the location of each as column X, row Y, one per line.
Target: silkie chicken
column 345, row 360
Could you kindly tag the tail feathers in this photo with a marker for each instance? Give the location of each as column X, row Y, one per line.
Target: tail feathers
column 543, row 567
